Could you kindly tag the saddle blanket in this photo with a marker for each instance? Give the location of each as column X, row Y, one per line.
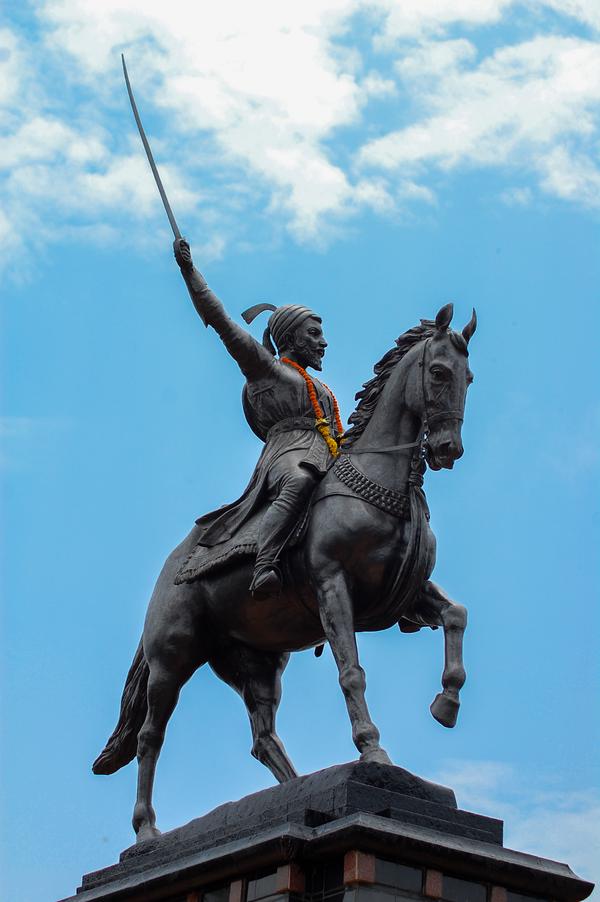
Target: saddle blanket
column 205, row 559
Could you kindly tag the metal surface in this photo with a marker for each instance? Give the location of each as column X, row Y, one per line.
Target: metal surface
column 155, row 172
column 358, row 567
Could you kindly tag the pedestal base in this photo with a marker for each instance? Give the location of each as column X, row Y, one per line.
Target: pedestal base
column 352, row 833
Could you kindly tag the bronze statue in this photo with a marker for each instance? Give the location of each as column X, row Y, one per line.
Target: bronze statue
column 340, row 533
column 279, row 410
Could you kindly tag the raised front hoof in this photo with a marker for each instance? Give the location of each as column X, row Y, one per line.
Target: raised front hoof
column 445, row 709
column 147, row 833
column 376, row 756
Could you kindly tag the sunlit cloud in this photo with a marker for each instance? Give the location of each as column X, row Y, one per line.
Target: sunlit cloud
column 288, row 112
column 533, row 107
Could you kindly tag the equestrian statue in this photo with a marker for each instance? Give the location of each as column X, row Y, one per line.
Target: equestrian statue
column 330, row 538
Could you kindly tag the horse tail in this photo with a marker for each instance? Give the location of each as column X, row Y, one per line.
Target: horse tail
column 121, row 748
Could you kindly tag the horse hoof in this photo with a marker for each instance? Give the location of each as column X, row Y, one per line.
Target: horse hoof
column 146, row 833
column 445, row 710
column 376, row 756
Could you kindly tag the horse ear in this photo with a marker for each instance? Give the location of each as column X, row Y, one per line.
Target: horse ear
column 469, row 329
column 444, row 317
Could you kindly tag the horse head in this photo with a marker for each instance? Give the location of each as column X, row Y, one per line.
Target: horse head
column 437, row 392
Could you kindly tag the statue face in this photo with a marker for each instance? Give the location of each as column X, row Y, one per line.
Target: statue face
column 308, row 344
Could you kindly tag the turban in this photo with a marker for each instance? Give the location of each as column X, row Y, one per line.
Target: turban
column 282, row 320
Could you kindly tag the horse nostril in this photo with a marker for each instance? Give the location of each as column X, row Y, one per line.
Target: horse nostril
column 451, row 449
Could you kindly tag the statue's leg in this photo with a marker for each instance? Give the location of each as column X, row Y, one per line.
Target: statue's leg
column 174, row 650
column 335, row 606
column 453, row 618
column 256, row 676
column 164, row 684
column 289, row 487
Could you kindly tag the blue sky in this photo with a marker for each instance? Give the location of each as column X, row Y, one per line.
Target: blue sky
column 374, row 160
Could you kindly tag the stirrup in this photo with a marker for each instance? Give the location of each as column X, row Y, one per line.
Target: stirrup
column 266, row 582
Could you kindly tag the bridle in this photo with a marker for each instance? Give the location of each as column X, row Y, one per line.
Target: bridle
column 426, row 421
column 428, row 418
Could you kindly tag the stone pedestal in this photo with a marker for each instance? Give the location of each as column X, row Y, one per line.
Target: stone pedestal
column 352, row 833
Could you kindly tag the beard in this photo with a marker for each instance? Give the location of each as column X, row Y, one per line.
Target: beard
column 315, row 360
column 307, row 356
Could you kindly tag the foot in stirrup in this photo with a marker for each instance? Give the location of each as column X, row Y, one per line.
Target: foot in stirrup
column 267, row 582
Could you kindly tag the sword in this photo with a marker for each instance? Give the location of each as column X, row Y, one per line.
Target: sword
column 157, row 178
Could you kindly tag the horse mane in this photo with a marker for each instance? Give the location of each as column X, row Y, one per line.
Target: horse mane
column 369, row 394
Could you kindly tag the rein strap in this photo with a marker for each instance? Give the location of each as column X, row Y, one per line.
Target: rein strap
column 373, row 450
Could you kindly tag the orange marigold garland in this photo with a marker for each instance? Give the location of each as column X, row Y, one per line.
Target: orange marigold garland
column 339, row 428
column 321, row 421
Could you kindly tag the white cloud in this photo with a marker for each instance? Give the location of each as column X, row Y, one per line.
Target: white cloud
column 374, row 85
column 429, row 18
column 517, row 197
column 521, row 107
column 586, row 11
column 540, row 817
column 260, row 88
column 274, row 105
column 418, row 18
column 44, row 138
column 434, row 59
column 10, row 66
column 263, row 80
column 571, row 175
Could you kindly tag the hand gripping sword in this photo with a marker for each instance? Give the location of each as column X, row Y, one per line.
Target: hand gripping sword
column 157, row 178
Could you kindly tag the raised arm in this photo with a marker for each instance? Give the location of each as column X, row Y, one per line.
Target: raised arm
column 254, row 360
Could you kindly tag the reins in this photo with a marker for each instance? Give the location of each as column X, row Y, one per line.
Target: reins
column 427, row 420
column 388, row 448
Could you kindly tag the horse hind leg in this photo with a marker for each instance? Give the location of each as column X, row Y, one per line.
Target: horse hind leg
column 256, row 676
column 453, row 619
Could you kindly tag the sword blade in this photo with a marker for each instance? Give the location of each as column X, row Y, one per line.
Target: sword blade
column 157, row 178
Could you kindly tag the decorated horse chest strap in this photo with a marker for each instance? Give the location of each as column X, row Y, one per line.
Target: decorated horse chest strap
column 388, row 500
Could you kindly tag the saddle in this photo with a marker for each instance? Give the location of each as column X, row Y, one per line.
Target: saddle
column 204, row 559
column 350, row 481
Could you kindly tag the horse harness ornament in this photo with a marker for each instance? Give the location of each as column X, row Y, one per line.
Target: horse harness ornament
column 388, row 500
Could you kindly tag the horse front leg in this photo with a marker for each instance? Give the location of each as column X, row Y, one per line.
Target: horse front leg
column 453, row 618
column 337, row 617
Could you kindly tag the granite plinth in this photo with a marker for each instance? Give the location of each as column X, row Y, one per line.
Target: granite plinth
column 381, row 810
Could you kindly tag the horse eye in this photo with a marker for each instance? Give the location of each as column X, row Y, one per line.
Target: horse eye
column 439, row 372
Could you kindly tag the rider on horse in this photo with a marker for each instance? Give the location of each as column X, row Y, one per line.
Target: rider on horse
column 295, row 415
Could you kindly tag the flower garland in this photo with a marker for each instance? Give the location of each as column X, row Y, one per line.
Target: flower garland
column 321, row 421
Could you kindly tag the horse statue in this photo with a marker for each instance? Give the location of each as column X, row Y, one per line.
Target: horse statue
column 362, row 562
